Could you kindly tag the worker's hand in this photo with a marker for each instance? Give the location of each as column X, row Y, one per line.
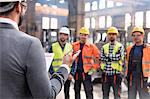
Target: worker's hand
column 68, row 58
column 70, row 77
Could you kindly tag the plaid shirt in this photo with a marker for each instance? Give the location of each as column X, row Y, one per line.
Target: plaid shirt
column 104, row 58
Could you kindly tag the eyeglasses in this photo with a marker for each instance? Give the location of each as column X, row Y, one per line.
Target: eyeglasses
column 138, row 35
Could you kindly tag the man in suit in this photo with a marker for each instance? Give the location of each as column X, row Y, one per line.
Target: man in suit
column 23, row 72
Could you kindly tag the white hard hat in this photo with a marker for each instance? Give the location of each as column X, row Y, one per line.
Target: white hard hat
column 64, row 30
column 9, row 5
column 11, row 0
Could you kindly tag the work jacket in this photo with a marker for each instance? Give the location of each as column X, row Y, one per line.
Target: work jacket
column 145, row 59
column 90, row 55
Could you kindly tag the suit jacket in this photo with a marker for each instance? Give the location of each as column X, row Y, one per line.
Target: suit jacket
column 23, row 72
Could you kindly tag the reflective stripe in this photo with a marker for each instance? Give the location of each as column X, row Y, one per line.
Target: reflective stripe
column 88, row 57
column 56, row 66
column 57, row 59
column 145, row 62
column 146, row 70
column 88, row 63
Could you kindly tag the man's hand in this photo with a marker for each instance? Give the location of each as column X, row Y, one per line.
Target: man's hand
column 70, row 77
column 68, row 58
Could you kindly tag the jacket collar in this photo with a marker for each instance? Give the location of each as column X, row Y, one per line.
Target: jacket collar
column 9, row 22
column 86, row 44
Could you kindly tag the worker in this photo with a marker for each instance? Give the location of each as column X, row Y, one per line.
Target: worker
column 138, row 65
column 60, row 48
column 112, row 58
column 23, row 72
column 87, row 62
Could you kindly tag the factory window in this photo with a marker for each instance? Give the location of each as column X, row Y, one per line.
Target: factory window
column 94, row 5
column 102, row 22
column 54, row 23
column 148, row 19
column 110, row 4
column 102, row 4
column 87, row 6
column 127, row 20
column 37, row 4
column 104, row 37
column 45, row 22
column 87, row 22
column 109, row 21
column 118, row 4
column 148, row 38
column 139, row 18
column 93, row 21
column 62, row 1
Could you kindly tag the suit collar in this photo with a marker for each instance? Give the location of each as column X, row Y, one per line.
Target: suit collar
column 8, row 22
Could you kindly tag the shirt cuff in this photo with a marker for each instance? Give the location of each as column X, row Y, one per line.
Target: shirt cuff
column 148, row 80
column 66, row 66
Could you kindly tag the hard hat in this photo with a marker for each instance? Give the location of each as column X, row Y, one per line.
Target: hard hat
column 138, row 29
column 84, row 30
column 11, row 0
column 112, row 30
column 64, row 30
column 9, row 5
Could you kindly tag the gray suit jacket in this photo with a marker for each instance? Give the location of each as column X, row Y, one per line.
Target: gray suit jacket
column 23, row 72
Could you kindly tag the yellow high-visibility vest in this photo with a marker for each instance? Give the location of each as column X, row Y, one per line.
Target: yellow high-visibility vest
column 117, row 65
column 58, row 54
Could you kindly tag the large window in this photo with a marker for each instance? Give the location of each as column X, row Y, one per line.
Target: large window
column 127, row 20
column 54, row 23
column 93, row 21
column 87, row 6
column 109, row 21
column 45, row 23
column 87, row 22
column 139, row 18
column 94, row 5
column 110, row 4
column 102, row 4
column 102, row 22
column 148, row 19
column 119, row 4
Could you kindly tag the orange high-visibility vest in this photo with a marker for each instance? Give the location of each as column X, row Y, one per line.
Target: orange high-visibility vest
column 90, row 55
column 145, row 60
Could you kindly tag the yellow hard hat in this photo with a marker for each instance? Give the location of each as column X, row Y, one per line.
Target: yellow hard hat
column 138, row 29
column 112, row 30
column 84, row 30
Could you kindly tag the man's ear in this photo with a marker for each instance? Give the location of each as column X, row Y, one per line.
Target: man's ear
column 18, row 8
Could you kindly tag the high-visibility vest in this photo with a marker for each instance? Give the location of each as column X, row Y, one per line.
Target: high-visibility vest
column 58, row 54
column 117, row 65
column 90, row 56
column 145, row 60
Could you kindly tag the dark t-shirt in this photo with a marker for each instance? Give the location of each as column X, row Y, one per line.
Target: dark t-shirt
column 137, row 61
column 80, row 61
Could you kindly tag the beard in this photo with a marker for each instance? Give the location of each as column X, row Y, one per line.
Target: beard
column 112, row 40
column 20, row 20
column 62, row 40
